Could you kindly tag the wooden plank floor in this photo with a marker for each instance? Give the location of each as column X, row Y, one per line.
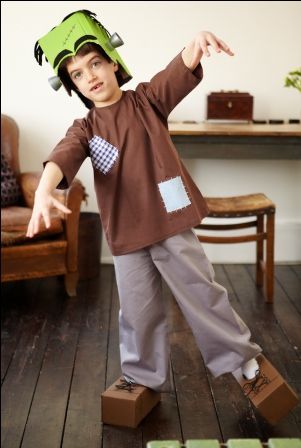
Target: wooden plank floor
column 59, row 354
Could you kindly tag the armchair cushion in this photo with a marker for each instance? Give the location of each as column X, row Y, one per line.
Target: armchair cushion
column 14, row 222
column 10, row 189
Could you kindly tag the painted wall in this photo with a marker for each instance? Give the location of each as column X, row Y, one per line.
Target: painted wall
column 265, row 37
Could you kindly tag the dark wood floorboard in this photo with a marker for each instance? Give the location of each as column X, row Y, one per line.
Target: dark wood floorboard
column 290, row 283
column 82, row 426
column 58, row 355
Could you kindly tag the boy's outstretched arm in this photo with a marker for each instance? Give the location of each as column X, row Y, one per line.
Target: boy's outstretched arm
column 193, row 52
column 44, row 200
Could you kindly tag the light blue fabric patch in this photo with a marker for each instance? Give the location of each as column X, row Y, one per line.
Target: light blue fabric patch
column 174, row 194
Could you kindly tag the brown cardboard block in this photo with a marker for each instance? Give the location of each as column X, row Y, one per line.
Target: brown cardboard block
column 269, row 392
column 127, row 408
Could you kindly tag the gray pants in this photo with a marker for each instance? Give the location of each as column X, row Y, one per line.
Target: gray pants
column 222, row 337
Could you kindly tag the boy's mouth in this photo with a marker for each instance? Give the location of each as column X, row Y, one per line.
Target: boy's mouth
column 97, row 86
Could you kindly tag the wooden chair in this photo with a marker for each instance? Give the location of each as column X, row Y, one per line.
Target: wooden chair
column 262, row 209
column 53, row 251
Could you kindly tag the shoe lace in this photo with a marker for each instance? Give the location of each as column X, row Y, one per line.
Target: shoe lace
column 256, row 384
column 126, row 384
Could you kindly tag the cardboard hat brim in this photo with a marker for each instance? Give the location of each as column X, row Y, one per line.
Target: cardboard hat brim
column 76, row 30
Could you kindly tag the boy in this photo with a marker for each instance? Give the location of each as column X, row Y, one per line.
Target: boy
column 147, row 200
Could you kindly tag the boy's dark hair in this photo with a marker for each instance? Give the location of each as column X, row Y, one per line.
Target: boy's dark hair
column 64, row 75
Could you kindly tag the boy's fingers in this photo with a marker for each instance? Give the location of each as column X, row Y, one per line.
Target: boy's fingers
column 196, row 55
column 29, row 230
column 218, row 45
column 33, row 226
column 46, row 218
column 214, row 42
column 35, row 221
column 204, row 48
column 225, row 48
column 61, row 206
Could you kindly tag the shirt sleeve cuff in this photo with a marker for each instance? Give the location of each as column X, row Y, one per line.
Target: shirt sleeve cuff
column 197, row 72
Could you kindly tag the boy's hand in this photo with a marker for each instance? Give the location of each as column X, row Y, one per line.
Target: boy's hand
column 44, row 201
column 193, row 53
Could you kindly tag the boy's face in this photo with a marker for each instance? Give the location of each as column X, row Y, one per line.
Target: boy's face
column 95, row 78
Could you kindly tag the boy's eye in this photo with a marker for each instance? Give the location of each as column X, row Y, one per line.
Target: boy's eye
column 96, row 63
column 76, row 75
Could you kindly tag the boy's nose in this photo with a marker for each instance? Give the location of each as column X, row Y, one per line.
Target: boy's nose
column 90, row 76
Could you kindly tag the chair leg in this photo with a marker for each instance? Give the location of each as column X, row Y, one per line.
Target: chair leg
column 270, row 258
column 71, row 279
column 259, row 252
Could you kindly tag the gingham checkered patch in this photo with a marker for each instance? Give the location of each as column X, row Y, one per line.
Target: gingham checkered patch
column 103, row 154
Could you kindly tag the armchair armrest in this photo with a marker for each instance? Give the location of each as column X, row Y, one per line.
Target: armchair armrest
column 29, row 183
column 71, row 198
column 75, row 194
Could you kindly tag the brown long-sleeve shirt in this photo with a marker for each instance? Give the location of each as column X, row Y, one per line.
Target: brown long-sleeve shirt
column 143, row 190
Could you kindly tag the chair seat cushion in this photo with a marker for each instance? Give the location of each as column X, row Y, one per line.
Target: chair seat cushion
column 14, row 222
column 239, row 206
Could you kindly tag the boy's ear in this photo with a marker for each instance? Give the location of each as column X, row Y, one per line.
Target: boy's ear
column 116, row 66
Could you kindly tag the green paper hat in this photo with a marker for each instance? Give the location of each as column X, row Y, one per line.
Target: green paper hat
column 77, row 29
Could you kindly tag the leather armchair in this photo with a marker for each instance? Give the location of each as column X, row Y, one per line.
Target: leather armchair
column 53, row 251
